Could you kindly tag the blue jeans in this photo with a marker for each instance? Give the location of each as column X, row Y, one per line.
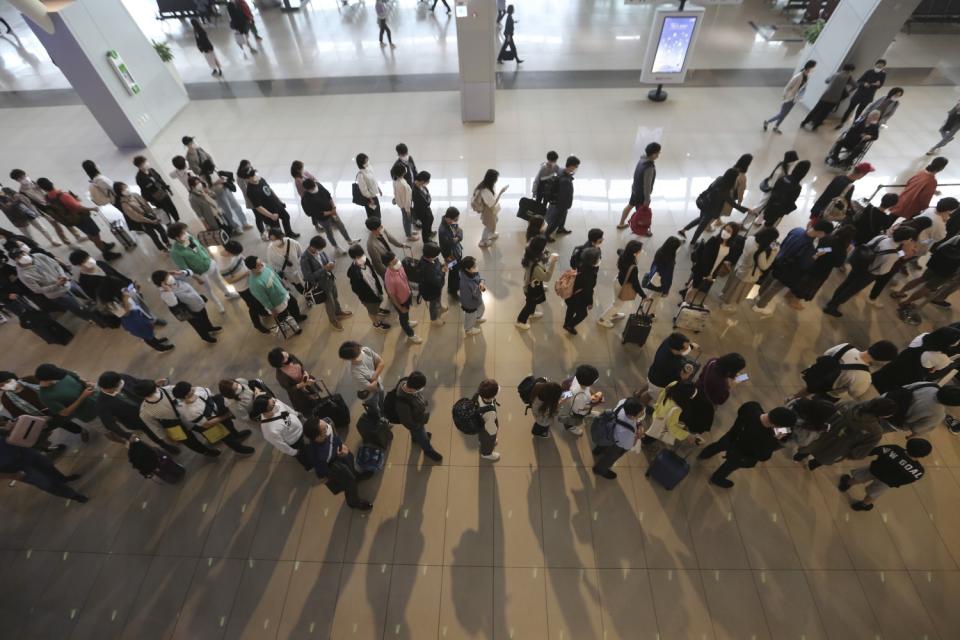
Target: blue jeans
column 420, row 438
column 556, row 219
column 73, row 301
column 785, row 109
column 407, row 221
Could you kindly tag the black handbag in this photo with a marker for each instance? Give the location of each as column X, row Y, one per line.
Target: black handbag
column 358, row 198
column 181, row 312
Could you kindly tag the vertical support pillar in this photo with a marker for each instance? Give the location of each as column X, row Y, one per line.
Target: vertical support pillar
column 132, row 110
column 477, row 52
column 858, row 31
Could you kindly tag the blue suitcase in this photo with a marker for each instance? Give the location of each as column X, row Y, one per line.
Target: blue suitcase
column 668, row 469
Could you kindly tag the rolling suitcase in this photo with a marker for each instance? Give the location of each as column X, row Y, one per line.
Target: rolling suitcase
column 374, row 431
column 332, row 407
column 123, row 236
column 528, row 207
column 213, row 238
column 637, row 329
column 668, row 469
column 692, row 316
column 27, row 430
column 48, row 329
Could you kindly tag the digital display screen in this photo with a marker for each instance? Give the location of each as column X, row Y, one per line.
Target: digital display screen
column 675, row 38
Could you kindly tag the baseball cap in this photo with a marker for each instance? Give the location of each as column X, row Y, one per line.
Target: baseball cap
column 864, row 167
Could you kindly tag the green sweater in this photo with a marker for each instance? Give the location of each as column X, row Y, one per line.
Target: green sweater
column 267, row 288
column 63, row 393
column 194, row 256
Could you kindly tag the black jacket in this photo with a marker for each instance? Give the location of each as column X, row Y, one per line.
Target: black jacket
column 748, row 440
column 705, row 255
column 360, row 286
column 870, row 223
column 834, row 189
column 782, row 200
column 315, row 204
column 451, row 239
column 152, row 186
column 121, row 411
column 431, row 279
column 411, row 408
column 410, row 168
column 563, row 193
column 583, row 287
column 91, row 284
column 421, row 204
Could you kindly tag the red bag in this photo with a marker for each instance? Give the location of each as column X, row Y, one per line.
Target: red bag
column 640, row 221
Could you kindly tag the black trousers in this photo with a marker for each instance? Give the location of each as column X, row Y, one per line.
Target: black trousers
column 576, row 313
column 819, row 113
column 171, row 209
column 41, row 473
column 343, row 476
column 608, row 456
column 701, row 223
column 385, row 29
column 293, row 310
column 857, row 105
column 533, row 298
column 508, row 44
column 855, row 282
column 881, row 282
column 425, row 216
column 200, row 322
column 487, row 442
column 158, row 234
column 255, row 309
column 444, row 4
column 453, row 280
column 373, row 210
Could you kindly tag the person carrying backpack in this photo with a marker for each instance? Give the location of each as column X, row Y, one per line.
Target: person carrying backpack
column 852, row 435
column 844, row 370
column 594, row 239
column 544, row 403
column 487, row 404
column 406, row 405
column 922, row 406
column 579, row 399
column 870, row 261
column 580, row 301
column 433, row 271
column 616, row 432
column 893, row 467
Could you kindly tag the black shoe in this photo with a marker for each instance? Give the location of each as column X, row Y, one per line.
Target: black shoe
column 845, row 482
column 160, row 322
column 302, row 318
column 861, row 506
column 263, row 330
column 242, row 450
column 163, row 347
column 293, row 235
column 434, row 455
column 72, row 477
column 383, row 312
column 540, row 432
column 82, row 498
column 831, row 311
column 109, row 245
column 605, row 473
column 85, row 435
column 209, row 339
column 110, row 255
column 564, row 231
column 212, row 453
column 363, row 506
column 55, row 449
column 800, row 457
column 953, row 425
column 705, row 454
column 813, row 464
column 216, row 329
column 244, row 434
column 723, row 483
column 570, row 330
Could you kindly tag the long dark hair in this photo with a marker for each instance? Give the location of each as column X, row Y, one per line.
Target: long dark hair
column 628, row 255
column 535, row 225
column 799, row 171
column 489, row 180
column 743, row 162
column 534, row 251
column 549, row 393
column 728, row 180
column 764, row 239
column 667, row 253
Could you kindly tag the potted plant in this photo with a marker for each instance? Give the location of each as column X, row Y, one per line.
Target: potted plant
column 812, row 32
column 166, row 56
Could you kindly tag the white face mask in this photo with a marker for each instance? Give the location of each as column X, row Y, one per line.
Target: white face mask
column 24, row 247
column 895, row 98
column 686, row 351
column 395, row 266
column 360, row 262
column 25, row 260
column 314, row 190
column 278, row 242
column 725, row 234
column 169, row 281
column 90, row 263
column 183, row 240
column 405, row 157
column 198, row 188
column 124, row 192
column 9, row 385
column 145, row 166
column 153, row 397
column 119, row 387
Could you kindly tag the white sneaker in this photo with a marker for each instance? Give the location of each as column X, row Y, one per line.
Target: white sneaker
column 413, row 323
column 522, row 326
column 493, row 457
column 483, row 245
column 762, row 311
column 537, row 314
column 577, row 431
column 481, row 320
column 415, row 339
column 618, row 316
column 231, row 296
column 605, row 323
column 494, row 236
column 472, row 332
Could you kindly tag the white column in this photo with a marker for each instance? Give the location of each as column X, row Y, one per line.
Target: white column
column 477, row 52
column 83, row 33
column 859, row 31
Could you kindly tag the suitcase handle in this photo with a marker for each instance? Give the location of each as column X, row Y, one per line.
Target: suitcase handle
column 648, row 300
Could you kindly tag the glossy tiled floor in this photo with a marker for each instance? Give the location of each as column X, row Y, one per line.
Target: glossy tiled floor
column 535, row 546
column 325, row 39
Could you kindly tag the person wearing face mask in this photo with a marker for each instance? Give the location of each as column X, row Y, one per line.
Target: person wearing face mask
column 919, row 191
column 65, row 394
column 119, row 409
column 141, row 215
column 283, row 256
column 267, row 207
column 184, row 302
column 21, row 397
column 195, row 155
column 282, row 428
column 44, row 276
column 268, row 289
column 318, row 204
column 366, row 284
column 92, row 273
column 158, row 410
column 403, row 198
column 887, row 105
column 32, row 467
column 867, row 85
column 627, row 286
column 671, row 363
column 205, row 413
column 22, row 214
column 561, row 199
column 538, row 267
column 366, row 369
column 405, row 160
column 301, row 387
column 68, row 210
column 398, row 290
column 378, row 244
column 471, row 296
column 317, row 268
column 713, row 258
column 422, row 214
column 38, row 198
column 759, row 252
column 154, row 188
column 486, row 202
column 581, row 302
column 791, row 94
column 9, row 240
column 782, row 197
column 190, row 255
column 235, row 272
column 239, row 393
column 221, row 185
column 369, row 189
column 333, row 462
column 855, row 140
column 711, row 202
column 181, row 172
column 432, row 270
column 126, row 304
column 450, row 239
column 206, row 208
column 100, row 186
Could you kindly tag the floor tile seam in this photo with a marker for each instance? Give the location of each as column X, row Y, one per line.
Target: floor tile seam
column 933, row 523
column 220, row 498
column 233, row 603
column 443, row 539
column 873, row 608
column 86, row 597
column 179, row 613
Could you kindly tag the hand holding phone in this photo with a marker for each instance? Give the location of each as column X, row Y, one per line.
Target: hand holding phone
column 742, row 377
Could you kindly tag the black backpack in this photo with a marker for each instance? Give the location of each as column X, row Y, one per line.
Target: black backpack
column 823, row 373
column 390, row 401
column 525, row 389
column 864, row 255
